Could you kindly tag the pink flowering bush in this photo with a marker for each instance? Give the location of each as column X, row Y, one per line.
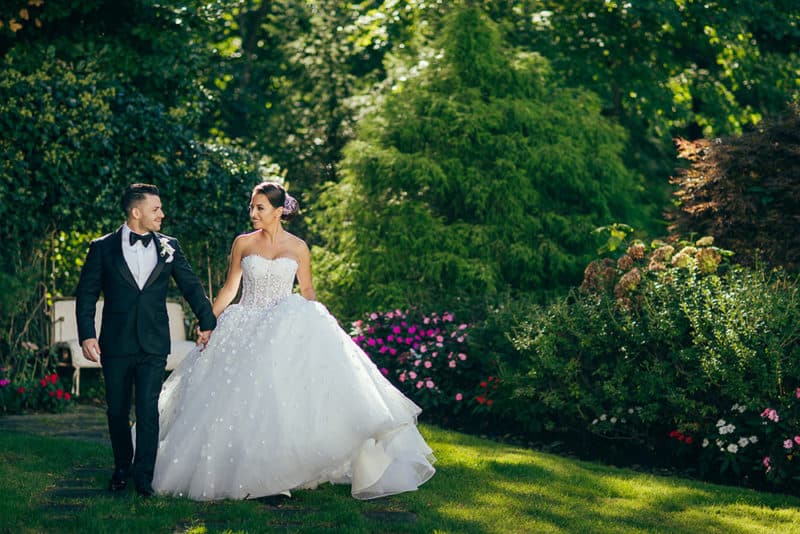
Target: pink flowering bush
column 425, row 356
column 45, row 394
column 755, row 441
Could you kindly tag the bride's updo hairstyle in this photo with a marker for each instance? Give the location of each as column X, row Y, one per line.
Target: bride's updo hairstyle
column 278, row 197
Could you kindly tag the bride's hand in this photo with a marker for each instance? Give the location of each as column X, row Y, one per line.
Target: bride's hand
column 202, row 338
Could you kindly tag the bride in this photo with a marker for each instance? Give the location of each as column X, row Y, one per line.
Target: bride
column 280, row 397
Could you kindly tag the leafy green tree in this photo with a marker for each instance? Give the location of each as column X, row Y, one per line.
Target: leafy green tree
column 478, row 175
column 688, row 68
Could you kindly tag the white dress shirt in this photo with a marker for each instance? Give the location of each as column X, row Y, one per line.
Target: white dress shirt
column 141, row 260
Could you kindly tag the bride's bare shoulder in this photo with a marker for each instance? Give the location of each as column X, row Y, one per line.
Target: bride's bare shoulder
column 297, row 243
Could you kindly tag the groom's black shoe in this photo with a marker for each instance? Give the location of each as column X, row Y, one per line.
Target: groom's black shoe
column 145, row 490
column 119, row 480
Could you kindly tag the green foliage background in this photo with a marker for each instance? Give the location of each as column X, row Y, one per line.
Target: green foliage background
column 480, row 174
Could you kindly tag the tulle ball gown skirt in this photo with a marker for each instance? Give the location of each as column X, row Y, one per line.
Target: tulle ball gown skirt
column 282, row 399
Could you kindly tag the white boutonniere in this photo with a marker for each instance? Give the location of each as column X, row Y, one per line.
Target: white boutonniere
column 166, row 249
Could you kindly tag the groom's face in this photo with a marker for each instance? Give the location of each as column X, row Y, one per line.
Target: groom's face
column 149, row 214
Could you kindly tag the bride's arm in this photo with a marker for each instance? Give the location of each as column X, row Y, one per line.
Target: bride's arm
column 304, row 273
column 231, row 287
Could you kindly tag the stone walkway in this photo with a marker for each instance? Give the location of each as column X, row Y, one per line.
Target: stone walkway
column 70, row 494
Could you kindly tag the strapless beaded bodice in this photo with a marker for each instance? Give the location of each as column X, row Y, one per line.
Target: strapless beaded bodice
column 265, row 281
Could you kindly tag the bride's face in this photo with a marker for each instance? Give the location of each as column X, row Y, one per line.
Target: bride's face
column 262, row 212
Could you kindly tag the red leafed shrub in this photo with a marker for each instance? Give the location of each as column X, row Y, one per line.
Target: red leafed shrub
column 745, row 191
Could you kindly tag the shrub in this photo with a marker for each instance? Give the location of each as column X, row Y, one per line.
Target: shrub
column 425, row 356
column 479, row 175
column 745, row 190
column 655, row 346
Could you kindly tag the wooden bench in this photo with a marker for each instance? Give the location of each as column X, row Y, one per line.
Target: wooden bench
column 65, row 336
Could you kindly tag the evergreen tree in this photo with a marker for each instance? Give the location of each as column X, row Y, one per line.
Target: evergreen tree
column 479, row 175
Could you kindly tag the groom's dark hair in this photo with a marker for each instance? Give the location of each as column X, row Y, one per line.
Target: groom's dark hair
column 135, row 193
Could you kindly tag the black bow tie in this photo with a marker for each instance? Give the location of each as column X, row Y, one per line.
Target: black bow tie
column 145, row 239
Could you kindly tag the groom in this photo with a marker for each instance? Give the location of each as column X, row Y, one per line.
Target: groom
column 132, row 268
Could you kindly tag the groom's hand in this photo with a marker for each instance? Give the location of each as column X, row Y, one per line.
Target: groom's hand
column 202, row 337
column 91, row 349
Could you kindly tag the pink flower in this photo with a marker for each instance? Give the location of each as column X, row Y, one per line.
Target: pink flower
column 4, row 382
column 396, row 329
column 767, row 462
column 430, row 333
column 462, row 326
column 373, row 316
column 770, row 414
column 402, row 377
column 429, row 384
column 380, row 341
column 412, row 329
column 417, row 362
column 392, row 351
column 460, row 339
column 459, row 396
column 447, row 316
column 371, row 330
column 797, row 393
column 371, row 342
column 385, row 371
column 390, row 337
column 428, row 365
column 389, row 315
column 420, row 384
column 403, row 324
column 357, row 324
column 412, row 375
column 462, row 356
column 797, row 439
column 415, row 346
column 409, row 340
column 423, row 348
column 439, row 339
column 425, row 320
column 383, row 349
column 355, row 339
column 452, row 363
column 787, row 444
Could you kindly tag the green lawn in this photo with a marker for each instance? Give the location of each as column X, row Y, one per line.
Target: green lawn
column 480, row 486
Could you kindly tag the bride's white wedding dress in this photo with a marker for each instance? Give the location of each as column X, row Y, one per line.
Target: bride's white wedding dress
column 280, row 399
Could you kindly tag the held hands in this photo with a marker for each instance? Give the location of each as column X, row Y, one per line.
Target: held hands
column 203, row 337
column 91, row 349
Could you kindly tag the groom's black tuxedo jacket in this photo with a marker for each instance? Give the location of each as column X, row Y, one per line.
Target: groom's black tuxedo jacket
column 134, row 319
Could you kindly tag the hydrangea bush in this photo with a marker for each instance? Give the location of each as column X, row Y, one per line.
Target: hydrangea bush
column 671, row 349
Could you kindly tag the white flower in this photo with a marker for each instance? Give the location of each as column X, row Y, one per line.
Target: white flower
column 623, row 420
column 721, row 422
column 603, row 417
column 733, row 448
column 594, row 422
column 735, row 407
column 705, row 443
column 727, row 429
column 744, row 442
column 613, row 420
column 720, row 443
column 630, row 410
column 753, row 439
column 166, row 249
column 742, row 408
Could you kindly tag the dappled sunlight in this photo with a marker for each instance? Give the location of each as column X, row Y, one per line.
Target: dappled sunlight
column 506, row 488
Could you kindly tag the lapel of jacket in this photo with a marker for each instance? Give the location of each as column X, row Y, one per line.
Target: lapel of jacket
column 119, row 259
column 159, row 264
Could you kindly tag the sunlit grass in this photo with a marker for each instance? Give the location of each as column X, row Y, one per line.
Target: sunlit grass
column 480, row 486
